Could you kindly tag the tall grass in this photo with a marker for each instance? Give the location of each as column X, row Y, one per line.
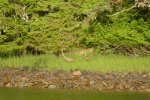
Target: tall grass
column 97, row 63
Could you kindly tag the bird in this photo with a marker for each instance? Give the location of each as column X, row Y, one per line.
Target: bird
column 66, row 58
column 86, row 57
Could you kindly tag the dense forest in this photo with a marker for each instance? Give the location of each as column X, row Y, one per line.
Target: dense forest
column 47, row 26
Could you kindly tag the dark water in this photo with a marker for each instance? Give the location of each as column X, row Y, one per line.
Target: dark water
column 47, row 94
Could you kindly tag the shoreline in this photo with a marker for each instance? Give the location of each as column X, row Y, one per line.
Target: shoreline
column 75, row 79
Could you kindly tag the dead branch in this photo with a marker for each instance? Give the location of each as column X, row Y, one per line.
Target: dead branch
column 123, row 10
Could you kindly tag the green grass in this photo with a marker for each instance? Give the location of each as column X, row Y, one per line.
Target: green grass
column 98, row 62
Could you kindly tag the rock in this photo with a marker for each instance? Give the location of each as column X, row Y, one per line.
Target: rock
column 23, row 84
column 52, row 86
column 75, row 79
column 24, row 79
column 8, row 85
column 30, row 85
column 45, row 85
column 147, row 90
column 1, row 78
column 92, row 82
column 77, row 73
column 104, row 83
column 24, row 68
column 144, row 76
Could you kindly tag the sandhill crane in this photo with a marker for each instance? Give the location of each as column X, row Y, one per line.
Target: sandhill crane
column 86, row 57
column 66, row 58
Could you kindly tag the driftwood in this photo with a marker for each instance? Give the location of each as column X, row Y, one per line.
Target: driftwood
column 138, row 3
column 122, row 11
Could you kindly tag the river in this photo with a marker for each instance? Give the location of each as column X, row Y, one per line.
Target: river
column 50, row 94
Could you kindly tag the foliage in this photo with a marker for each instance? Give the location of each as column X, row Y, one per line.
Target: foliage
column 37, row 26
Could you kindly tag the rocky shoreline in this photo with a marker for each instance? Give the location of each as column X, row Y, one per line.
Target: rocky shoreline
column 77, row 79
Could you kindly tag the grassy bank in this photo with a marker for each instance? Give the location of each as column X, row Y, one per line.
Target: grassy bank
column 97, row 62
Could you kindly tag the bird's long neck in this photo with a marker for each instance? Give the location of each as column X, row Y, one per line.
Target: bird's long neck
column 85, row 54
column 64, row 55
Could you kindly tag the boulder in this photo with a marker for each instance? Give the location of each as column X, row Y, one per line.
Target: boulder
column 77, row 73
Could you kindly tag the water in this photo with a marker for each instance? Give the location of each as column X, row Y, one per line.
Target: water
column 47, row 94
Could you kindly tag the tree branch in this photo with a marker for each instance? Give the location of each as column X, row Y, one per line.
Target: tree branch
column 123, row 10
